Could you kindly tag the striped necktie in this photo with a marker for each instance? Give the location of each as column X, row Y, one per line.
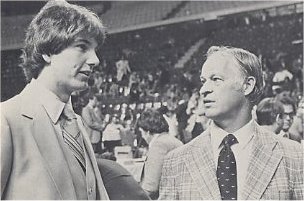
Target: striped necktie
column 71, row 134
column 226, row 169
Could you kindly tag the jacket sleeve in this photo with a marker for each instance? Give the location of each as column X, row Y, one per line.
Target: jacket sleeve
column 6, row 153
column 153, row 167
column 298, row 175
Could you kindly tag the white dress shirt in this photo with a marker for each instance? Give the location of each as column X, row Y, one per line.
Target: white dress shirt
column 241, row 150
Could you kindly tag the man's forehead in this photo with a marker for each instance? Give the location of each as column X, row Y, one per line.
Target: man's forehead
column 288, row 108
column 215, row 64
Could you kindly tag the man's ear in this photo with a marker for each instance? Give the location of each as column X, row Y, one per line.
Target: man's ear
column 249, row 84
column 46, row 58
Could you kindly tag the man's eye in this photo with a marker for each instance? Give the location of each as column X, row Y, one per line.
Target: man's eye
column 216, row 79
column 82, row 47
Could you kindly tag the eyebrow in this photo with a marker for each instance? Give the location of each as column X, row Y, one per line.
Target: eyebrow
column 79, row 40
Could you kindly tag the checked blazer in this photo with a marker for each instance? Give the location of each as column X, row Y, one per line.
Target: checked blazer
column 275, row 170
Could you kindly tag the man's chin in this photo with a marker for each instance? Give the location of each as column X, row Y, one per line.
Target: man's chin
column 81, row 87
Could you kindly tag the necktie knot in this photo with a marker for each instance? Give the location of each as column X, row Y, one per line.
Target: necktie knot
column 68, row 112
column 229, row 140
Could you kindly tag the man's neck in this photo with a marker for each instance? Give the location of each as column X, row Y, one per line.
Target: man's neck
column 232, row 125
column 48, row 83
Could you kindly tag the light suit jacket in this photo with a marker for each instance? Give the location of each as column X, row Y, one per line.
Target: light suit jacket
column 162, row 145
column 275, row 170
column 33, row 164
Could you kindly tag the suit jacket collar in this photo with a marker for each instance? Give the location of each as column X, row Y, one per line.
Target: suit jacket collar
column 45, row 136
column 264, row 160
column 52, row 104
column 200, row 163
column 101, row 193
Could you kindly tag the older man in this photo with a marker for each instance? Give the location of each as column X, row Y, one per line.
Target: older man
column 234, row 158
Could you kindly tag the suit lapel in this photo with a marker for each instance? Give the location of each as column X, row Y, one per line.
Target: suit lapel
column 90, row 158
column 201, row 166
column 46, row 139
column 263, row 162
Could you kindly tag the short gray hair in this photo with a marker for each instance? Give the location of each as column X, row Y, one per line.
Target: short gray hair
column 249, row 64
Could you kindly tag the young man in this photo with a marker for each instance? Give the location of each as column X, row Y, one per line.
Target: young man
column 45, row 150
column 289, row 113
column 234, row 158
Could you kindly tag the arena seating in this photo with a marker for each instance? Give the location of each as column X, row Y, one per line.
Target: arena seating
column 198, row 7
column 130, row 13
column 154, row 49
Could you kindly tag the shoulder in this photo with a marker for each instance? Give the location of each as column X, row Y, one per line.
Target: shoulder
column 110, row 169
column 86, row 109
column 290, row 149
column 169, row 141
column 168, row 138
column 200, row 141
column 11, row 107
column 119, row 183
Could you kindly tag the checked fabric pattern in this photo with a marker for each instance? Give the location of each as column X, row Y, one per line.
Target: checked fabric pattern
column 71, row 134
column 226, row 169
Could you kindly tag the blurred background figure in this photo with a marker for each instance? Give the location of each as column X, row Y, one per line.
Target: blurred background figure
column 112, row 134
column 296, row 129
column 197, row 122
column 94, row 123
column 270, row 114
column 122, row 67
column 170, row 117
column 289, row 113
column 155, row 131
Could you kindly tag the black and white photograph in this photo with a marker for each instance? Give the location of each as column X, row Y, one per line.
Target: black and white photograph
column 152, row 100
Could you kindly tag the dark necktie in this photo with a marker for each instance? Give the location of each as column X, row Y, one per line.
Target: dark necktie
column 71, row 134
column 226, row 169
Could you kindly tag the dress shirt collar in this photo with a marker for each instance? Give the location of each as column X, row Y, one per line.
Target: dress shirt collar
column 50, row 101
column 243, row 135
column 284, row 134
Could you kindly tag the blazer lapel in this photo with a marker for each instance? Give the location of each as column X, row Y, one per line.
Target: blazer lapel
column 201, row 166
column 100, row 190
column 263, row 163
column 46, row 139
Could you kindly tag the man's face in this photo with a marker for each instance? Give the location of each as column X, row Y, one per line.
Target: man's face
column 94, row 102
column 73, row 66
column 283, row 94
column 288, row 117
column 145, row 135
column 221, row 88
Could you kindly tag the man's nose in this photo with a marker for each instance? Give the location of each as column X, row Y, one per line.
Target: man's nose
column 287, row 117
column 92, row 60
column 205, row 89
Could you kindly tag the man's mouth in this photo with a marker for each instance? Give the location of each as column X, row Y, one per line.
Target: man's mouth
column 208, row 101
column 86, row 73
